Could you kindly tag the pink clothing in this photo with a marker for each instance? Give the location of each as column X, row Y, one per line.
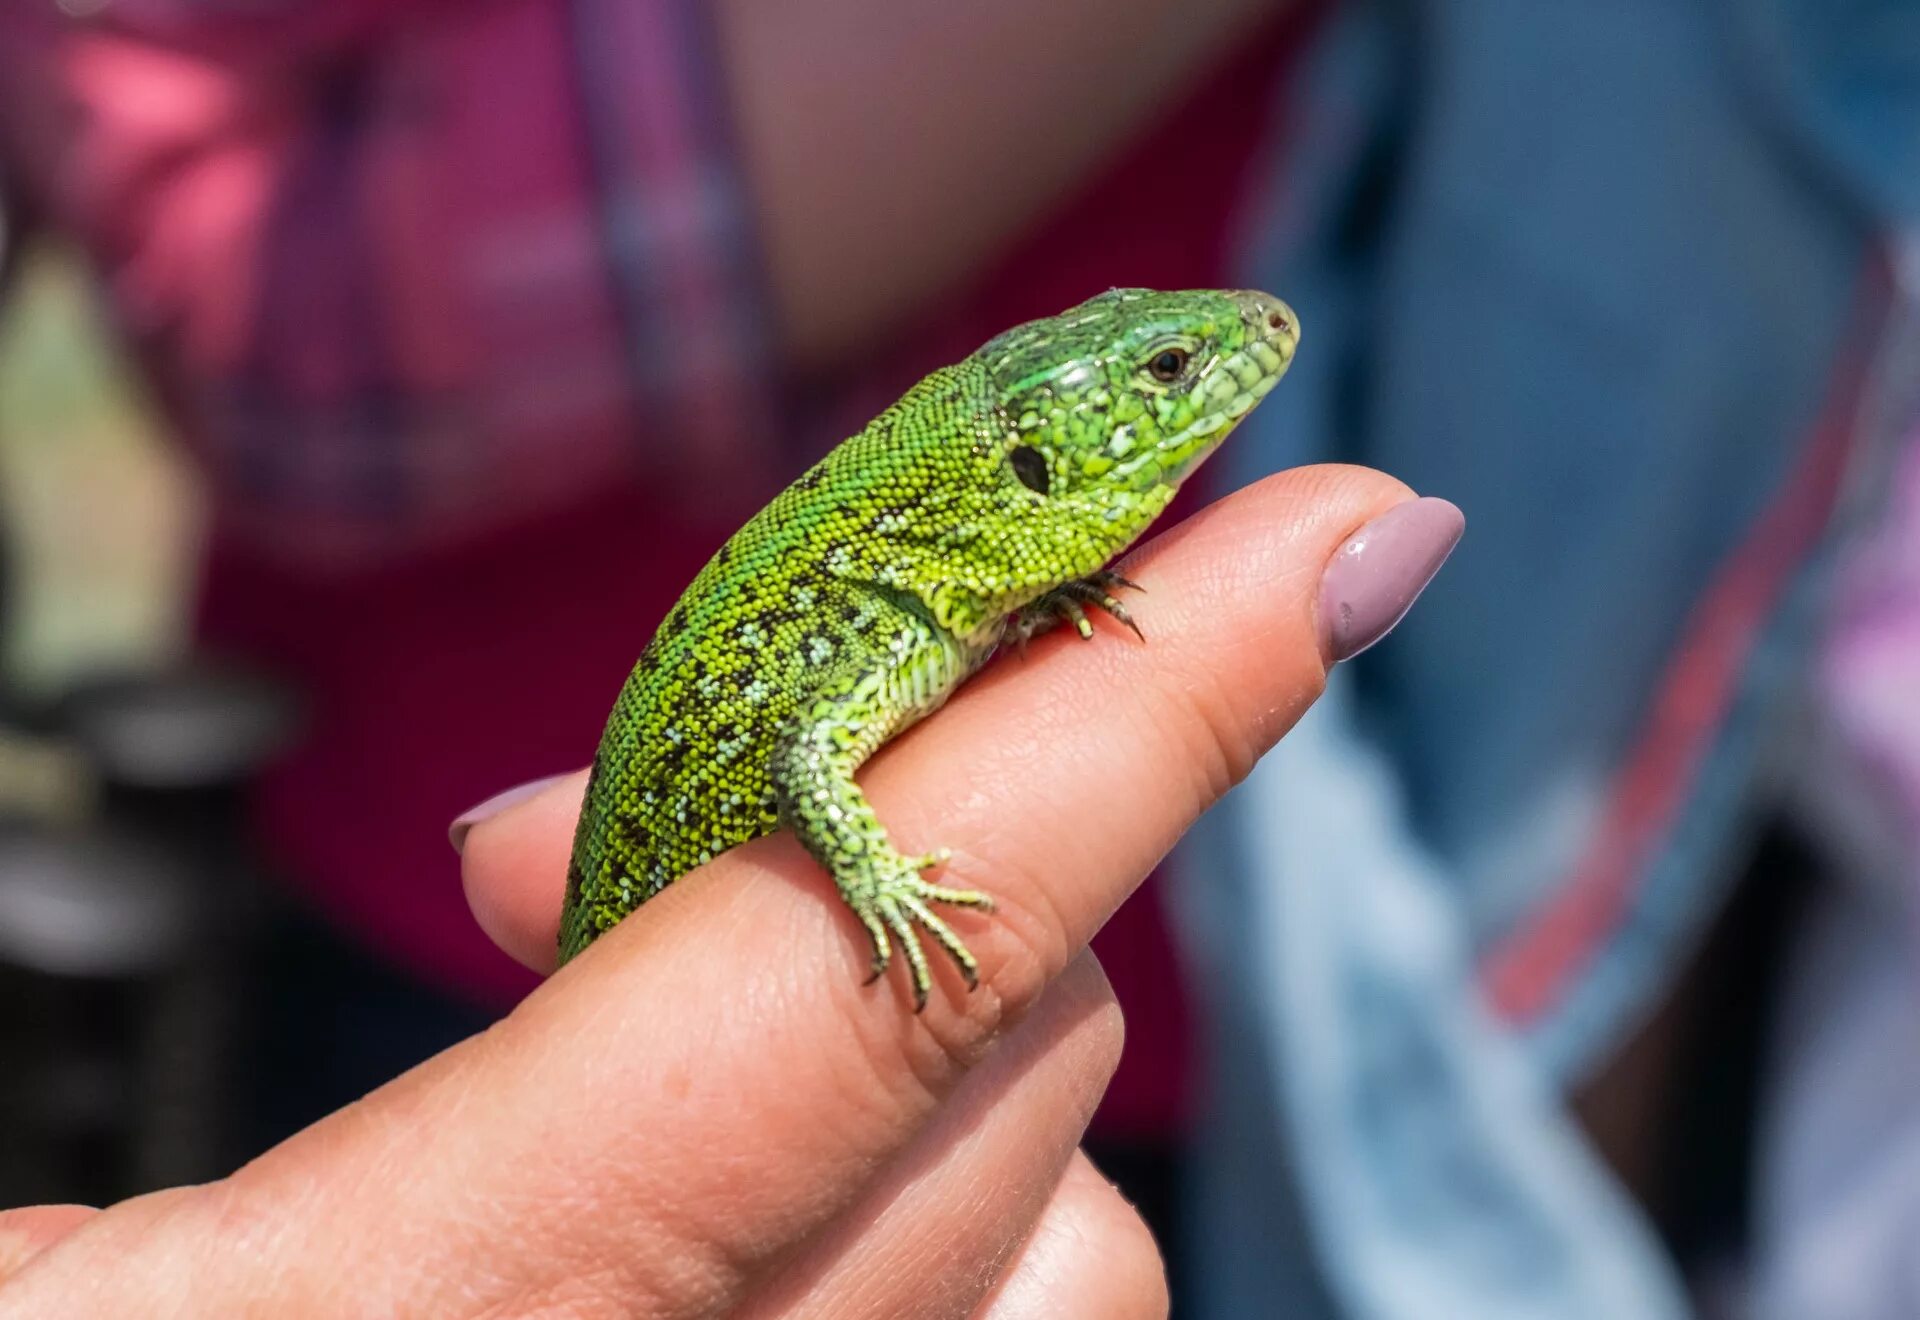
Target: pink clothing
column 1869, row 673
column 407, row 272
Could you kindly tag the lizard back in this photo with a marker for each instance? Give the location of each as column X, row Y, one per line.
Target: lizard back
column 787, row 603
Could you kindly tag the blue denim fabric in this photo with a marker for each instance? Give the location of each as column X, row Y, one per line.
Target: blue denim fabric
column 1584, row 268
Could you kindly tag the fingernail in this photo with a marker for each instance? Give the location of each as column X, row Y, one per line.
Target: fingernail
column 1373, row 580
column 493, row 806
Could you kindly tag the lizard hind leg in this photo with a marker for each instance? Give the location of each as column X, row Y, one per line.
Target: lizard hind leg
column 891, row 908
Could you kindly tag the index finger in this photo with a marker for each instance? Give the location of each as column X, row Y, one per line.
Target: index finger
column 515, row 870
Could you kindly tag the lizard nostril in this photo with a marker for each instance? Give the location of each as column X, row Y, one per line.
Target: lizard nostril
column 1265, row 315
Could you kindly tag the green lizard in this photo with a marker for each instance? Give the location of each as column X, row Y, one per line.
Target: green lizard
column 983, row 505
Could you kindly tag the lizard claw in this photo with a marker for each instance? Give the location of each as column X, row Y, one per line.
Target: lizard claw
column 1065, row 603
column 896, row 910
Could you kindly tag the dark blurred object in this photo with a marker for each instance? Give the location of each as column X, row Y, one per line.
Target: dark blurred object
column 1676, row 1115
column 9, row 233
column 124, row 935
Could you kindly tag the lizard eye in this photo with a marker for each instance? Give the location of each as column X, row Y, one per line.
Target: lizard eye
column 1167, row 364
column 1030, row 465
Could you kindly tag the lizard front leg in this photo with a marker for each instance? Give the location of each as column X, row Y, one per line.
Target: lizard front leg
column 1067, row 603
column 847, row 719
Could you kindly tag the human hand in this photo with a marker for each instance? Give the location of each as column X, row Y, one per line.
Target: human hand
column 708, row 1112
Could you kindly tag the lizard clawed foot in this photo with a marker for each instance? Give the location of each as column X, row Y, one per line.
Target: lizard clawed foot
column 1065, row 603
column 890, row 908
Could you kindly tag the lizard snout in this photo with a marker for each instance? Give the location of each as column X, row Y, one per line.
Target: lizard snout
column 1270, row 319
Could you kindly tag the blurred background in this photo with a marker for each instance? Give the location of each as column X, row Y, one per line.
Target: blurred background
column 373, row 376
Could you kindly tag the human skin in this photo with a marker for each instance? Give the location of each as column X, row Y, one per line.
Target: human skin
column 892, row 149
column 707, row 1113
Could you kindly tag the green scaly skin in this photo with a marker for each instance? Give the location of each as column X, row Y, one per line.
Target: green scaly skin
column 983, row 505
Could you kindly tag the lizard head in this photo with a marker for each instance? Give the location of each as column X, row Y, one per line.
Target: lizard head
column 1105, row 409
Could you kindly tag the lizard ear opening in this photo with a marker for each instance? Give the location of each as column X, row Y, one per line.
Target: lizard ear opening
column 1030, row 465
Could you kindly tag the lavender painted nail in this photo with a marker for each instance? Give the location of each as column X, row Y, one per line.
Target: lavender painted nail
column 493, row 806
column 1373, row 580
